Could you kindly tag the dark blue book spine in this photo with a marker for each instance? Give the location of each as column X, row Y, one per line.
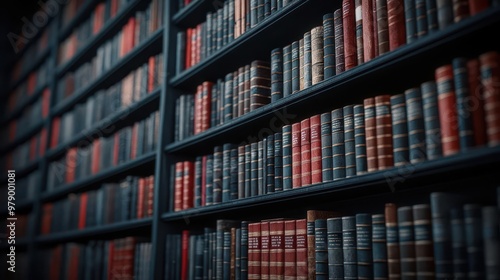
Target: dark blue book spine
column 248, row 168
column 406, row 242
column 441, row 203
column 181, row 51
column 269, row 181
column 287, row 157
column 364, row 246
column 360, row 139
column 422, row 227
column 225, row 23
column 197, row 182
column 198, row 262
column 244, row 250
column 431, row 120
column 328, row 46
column 228, row 98
column 210, row 179
column 379, row 245
column 350, row 149
column 459, row 250
column 260, row 168
column 260, row 10
column 432, row 18
column 278, row 162
column 217, row 180
column 410, row 21
column 339, row 41
column 233, row 173
column 241, row 171
column 287, row 70
column 474, row 241
column 213, row 114
column 491, row 237
column 267, row 8
column 274, row 6
column 349, row 247
column 231, row 22
column 399, row 129
column 226, row 261
column 321, row 246
column 463, row 95
column 295, row 67
column 237, row 263
column 335, row 254
column 421, row 16
column 444, row 13
column 338, row 151
column 276, row 74
column 191, row 256
column 219, row 33
column 254, row 177
column 307, row 68
column 416, row 126
column 253, row 13
column 206, row 252
column 326, row 147
column 208, row 35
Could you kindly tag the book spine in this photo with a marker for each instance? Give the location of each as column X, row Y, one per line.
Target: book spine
column 329, row 46
column 400, row 130
column 301, row 64
column 278, row 162
column 228, row 98
column 241, row 91
column 277, row 249
column 317, row 54
column 384, row 131
column 210, row 181
column 226, row 168
column 217, row 175
column 316, row 160
column 226, row 258
column 247, row 84
column 335, row 254
column 447, row 110
column 421, row 16
column 254, row 260
column 441, row 235
column 474, row 242
column 245, row 250
column 265, row 243
column 287, row 157
column 379, row 245
column 276, row 74
column 364, row 246
column 369, row 47
column 233, row 173
column 287, row 70
column 444, row 13
column 396, row 23
column 241, row 171
column 460, row 10
column 461, row 79
column 477, row 6
column 458, row 243
column 307, row 69
column 181, row 52
column 416, row 125
column 490, row 218
column 338, row 148
column 290, row 271
column 392, row 238
column 349, row 247
column 254, row 184
column 422, row 227
column 358, row 17
column 349, row 146
column 490, row 78
column 431, row 120
column 269, row 180
column 305, row 152
column 339, row 41
column 301, row 249
column 295, row 67
column 197, row 182
column 321, row 249
column 237, row 250
column 359, row 139
column 188, row 185
column 432, row 15
column 478, row 118
column 296, row 155
column 371, row 134
column 179, row 173
column 406, row 242
column 382, row 27
column 326, row 147
column 349, row 24
column 410, row 21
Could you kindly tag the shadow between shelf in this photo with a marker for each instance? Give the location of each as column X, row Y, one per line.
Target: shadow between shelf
column 94, row 232
column 118, row 119
column 87, row 182
column 17, row 111
column 150, row 46
column 391, row 68
column 355, row 187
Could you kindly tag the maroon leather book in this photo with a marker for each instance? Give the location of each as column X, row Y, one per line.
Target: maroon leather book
column 198, row 109
column 383, row 120
column 461, row 10
column 96, row 151
column 371, row 134
column 206, row 102
column 447, row 104
column 185, row 255
column 396, row 23
column 490, row 79
column 393, row 256
column 290, row 255
column 358, row 17
column 54, row 137
column 179, row 170
column 264, row 249
column 204, row 180
column 188, row 185
column 277, row 249
column 476, row 91
column 305, row 152
column 477, row 6
column 375, row 26
column 349, row 24
column 313, row 215
column 369, row 45
column 254, row 264
column 316, row 157
column 296, row 156
column 301, row 249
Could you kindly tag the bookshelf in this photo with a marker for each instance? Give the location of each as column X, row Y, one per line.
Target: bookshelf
column 385, row 74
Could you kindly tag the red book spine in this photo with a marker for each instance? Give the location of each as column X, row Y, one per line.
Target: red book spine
column 179, row 169
column 45, row 102
column 197, row 109
column 371, row 134
column 114, row 8
column 54, row 138
column 188, row 185
column 490, row 78
column 46, row 218
column 461, row 10
column 151, row 73
column 111, row 260
column 55, row 260
column 98, row 18
column 203, row 180
column 383, row 122
column 264, row 250
column 83, row 211
column 131, row 38
column 140, row 198
column 133, row 143
column 476, row 91
column 150, row 186
column 31, row 83
column 128, row 258
column 305, row 152
column 188, row 48
column 198, row 43
column 43, row 142
column 316, row 166
column 277, row 249
column 32, row 154
column 71, row 165
column 12, row 130
column 348, row 21
column 290, row 255
column 254, row 264
column 477, row 6
column 296, row 156
column 301, row 249
column 206, row 105
column 116, row 148
column 145, row 198
column 73, row 262
column 96, row 151
column 447, row 110
column 375, row 28
column 396, row 20
column 369, row 45
column 194, row 47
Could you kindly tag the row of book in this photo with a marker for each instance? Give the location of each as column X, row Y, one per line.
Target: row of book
column 135, row 31
column 149, row 19
column 107, row 101
column 30, row 151
column 27, row 186
column 231, row 20
column 449, row 238
column 34, row 82
column 213, row 104
column 30, row 117
column 129, row 199
column 119, row 259
column 102, row 153
column 70, row 11
column 423, row 123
